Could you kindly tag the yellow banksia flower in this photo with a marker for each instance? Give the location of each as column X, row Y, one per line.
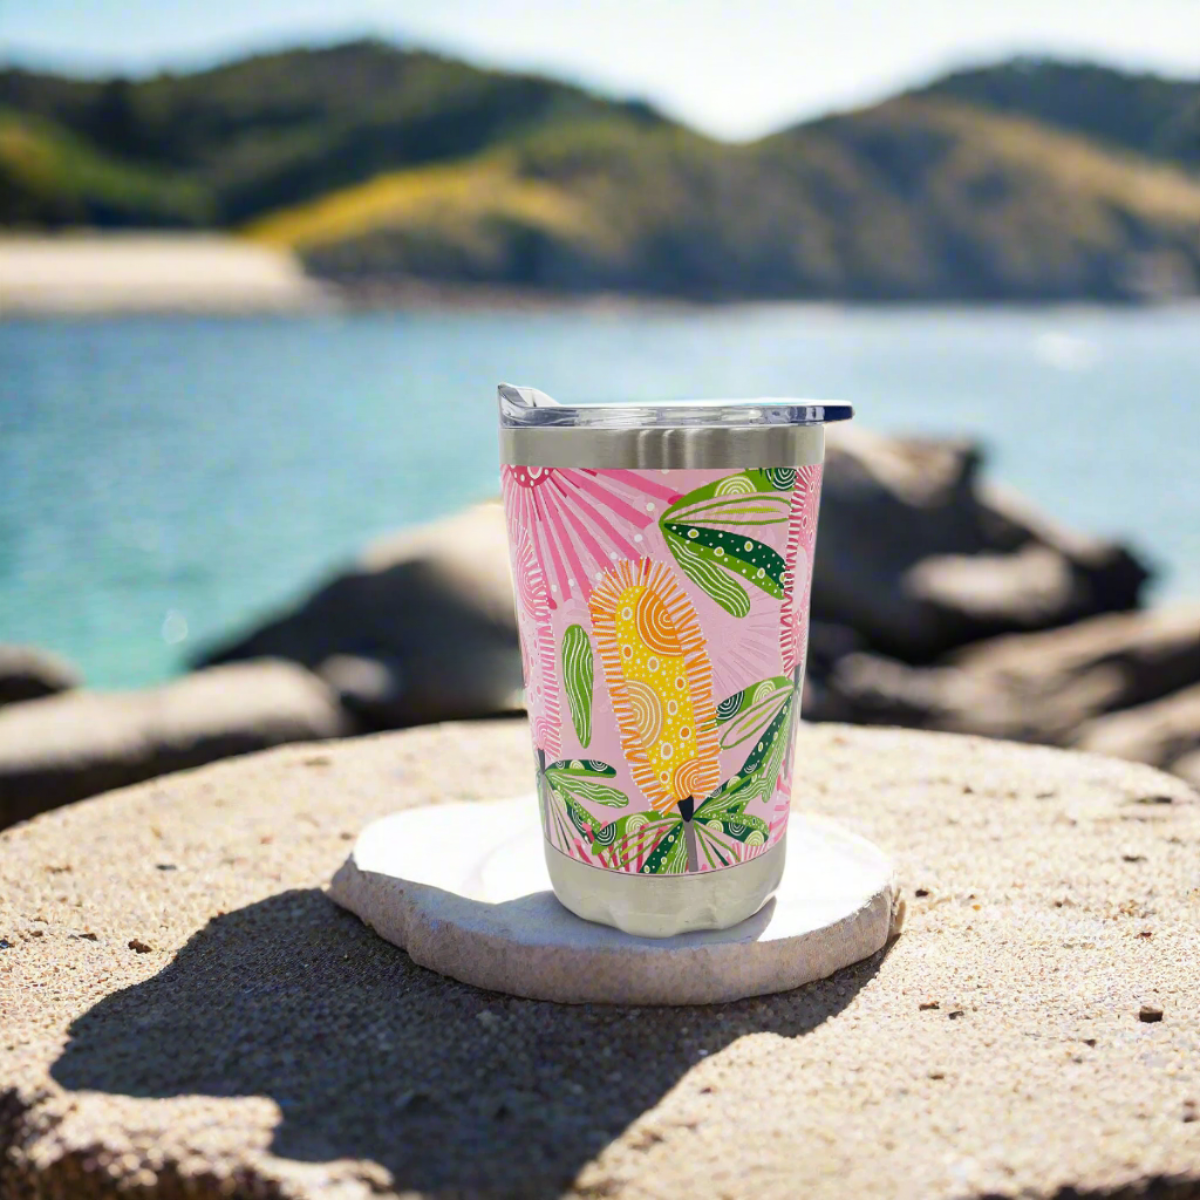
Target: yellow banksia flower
column 659, row 681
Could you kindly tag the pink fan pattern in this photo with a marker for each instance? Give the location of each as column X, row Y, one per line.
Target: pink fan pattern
column 581, row 521
column 542, row 687
column 802, row 535
column 571, row 529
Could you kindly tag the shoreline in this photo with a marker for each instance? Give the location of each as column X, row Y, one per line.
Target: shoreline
column 74, row 274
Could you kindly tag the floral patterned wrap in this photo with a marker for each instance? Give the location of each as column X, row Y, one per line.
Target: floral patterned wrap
column 664, row 621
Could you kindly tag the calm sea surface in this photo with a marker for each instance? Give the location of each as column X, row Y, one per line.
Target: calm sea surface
column 164, row 481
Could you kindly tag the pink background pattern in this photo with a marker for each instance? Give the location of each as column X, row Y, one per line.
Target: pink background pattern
column 567, row 527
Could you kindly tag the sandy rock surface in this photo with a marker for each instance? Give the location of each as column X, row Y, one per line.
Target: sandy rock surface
column 186, row 1012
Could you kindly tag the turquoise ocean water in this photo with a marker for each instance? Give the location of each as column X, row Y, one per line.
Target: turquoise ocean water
column 164, row 481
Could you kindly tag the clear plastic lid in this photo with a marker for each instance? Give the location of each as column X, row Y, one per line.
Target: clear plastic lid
column 527, row 408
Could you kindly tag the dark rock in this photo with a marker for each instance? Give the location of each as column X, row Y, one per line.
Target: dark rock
column 867, row 689
column 1165, row 733
column 1062, row 679
column 920, row 557
column 29, row 674
column 1111, row 684
column 827, row 646
column 63, row 748
column 421, row 629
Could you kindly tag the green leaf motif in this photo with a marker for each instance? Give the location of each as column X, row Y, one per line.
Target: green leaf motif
column 572, row 811
column 569, row 782
column 743, row 484
column 594, row 793
column 578, row 779
column 651, row 844
column 749, row 712
column 711, row 579
column 704, row 531
column 760, row 771
column 578, row 671
column 669, row 857
column 622, row 828
column 756, row 509
column 589, row 768
column 712, row 835
column 775, row 734
column 753, row 560
column 784, row 478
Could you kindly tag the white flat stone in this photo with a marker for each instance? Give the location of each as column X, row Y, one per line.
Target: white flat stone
column 464, row 889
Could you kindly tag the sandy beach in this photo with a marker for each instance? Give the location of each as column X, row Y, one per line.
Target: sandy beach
column 121, row 273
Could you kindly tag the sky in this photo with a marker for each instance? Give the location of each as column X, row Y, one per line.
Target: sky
column 734, row 69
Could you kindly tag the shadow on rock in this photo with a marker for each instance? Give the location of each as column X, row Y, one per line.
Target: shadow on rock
column 370, row 1056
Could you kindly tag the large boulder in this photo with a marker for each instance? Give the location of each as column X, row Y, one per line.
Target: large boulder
column 63, row 748
column 1057, row 681
column 870, row 689
column 920, row 556
column 421, row 629
column 1041, row 687
column 27, row 673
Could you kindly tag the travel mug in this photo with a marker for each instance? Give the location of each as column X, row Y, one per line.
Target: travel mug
column 662, row 556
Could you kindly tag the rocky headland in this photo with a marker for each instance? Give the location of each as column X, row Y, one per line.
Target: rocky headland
column 940, row 601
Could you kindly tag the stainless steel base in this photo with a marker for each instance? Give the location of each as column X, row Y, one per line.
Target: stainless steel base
column 661, row 906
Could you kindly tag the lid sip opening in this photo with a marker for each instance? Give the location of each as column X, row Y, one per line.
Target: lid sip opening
column 528, row 408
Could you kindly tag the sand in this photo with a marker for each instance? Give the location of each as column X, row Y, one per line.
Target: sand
column 91, row 273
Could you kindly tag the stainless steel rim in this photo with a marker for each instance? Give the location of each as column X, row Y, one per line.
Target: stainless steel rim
column 664, row 448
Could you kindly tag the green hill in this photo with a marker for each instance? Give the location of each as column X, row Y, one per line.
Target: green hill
column 954, row 202
column 1153, row 116
column 50, row 177
column 915, row 198
column 381, row 165
column 274, row 129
